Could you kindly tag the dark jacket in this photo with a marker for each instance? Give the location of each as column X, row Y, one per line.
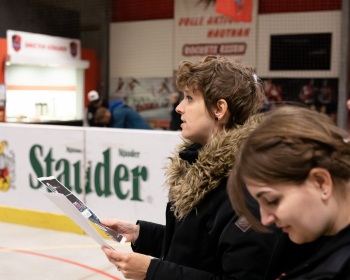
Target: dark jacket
column 91, row 111
column 330, row 259
column 125, row 117
column 203, row 238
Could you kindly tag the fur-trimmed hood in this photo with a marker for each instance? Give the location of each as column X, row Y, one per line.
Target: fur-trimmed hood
column 189, row 183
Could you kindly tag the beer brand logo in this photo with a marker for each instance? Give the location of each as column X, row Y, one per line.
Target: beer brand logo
column 125, row 153
column 16, row 42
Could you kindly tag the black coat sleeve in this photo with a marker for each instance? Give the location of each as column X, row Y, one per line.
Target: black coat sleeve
column 150, row 239
column 245, row 256
column 210, row 243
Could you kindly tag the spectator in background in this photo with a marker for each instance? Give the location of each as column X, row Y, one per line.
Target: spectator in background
column 273, row 94
column 175, row 120
column 308, row 94
column 120, row 115
column 95, row 102
column 324, row 98
column 103, row 117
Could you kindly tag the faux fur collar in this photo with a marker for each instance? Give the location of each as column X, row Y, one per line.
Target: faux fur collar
column 189, row 183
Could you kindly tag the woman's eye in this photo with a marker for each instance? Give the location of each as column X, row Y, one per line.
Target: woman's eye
column 272, row 202
column 189, row 98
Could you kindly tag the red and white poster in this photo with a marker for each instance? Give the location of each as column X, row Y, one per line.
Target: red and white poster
column 239, row 10
column 201, row 30
column 25, row 44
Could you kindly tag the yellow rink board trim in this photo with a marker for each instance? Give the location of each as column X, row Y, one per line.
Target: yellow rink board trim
column 40, row 219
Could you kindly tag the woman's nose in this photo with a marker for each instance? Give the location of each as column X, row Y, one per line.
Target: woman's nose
column 179, row 108
column 267, row 218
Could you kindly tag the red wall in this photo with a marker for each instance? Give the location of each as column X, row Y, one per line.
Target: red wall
column 3, row 53
column 133, row 10
column 293, row 6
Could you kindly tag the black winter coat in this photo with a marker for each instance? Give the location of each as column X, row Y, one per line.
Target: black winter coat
column 207, row 244
column 203, row 238
column 329, row 259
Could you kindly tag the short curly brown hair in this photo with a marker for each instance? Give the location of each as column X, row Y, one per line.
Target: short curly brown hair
column 217, row 78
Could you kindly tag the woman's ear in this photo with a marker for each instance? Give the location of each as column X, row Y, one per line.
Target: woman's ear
column 221, row 109
column 322, row 180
